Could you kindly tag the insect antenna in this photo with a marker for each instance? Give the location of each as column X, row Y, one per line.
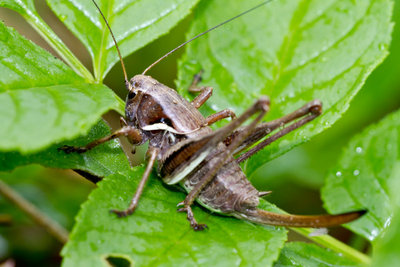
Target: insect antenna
column 116, row 45
column 203, row 33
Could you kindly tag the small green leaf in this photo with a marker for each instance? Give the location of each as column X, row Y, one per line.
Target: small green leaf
column 101, row 161
column 292, row 51
column 42, row 101
column 362, row 176
column 134, row 23
column 156, row 234
column 310, row 255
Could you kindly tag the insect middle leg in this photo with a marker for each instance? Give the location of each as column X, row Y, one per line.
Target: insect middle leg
column 260, row 106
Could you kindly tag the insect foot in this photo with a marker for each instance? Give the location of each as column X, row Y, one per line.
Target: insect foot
column 122, row 213
column 72, row 149
column 315, row 107
column 193, row 223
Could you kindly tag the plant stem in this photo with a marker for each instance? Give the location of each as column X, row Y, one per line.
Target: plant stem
column 57, row 44
column 335, row 245
column 37, row 216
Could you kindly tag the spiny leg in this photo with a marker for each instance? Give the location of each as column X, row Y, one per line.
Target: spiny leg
column 265, row 128
column 191, row 149
column 132, row 133
column 260, row 106
column 309, row 112
column 153, row 152
column 312, row 108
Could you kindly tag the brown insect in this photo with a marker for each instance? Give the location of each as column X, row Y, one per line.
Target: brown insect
column 201, row 160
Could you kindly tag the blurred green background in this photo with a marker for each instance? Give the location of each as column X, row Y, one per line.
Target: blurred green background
column 59, row 193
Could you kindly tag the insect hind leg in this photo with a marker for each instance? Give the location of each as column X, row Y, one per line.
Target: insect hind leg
column 297, row 118
column 261, row 107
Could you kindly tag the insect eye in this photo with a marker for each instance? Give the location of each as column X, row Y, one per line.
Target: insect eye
column 131, row 94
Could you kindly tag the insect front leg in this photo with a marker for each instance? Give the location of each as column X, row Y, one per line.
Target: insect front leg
column 260, row 106
column 133, row 134
column 226, row 113
column 152, row 153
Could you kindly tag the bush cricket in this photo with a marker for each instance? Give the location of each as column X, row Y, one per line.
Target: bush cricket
column 201, row 160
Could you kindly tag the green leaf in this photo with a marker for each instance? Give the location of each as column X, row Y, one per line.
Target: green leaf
column 134, row 23
column 292, row 51
column 42, row 101
column 381, row 91
column 387, row 252
column 57, row 194
column 58, row 198
column 101, row 161
column 156, row 234
column 26, row 8
column 387, row 248
column 361, row 179
column 310, row 255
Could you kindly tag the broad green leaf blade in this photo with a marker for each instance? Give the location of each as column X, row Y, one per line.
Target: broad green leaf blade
column 387, row 248
column 156, row 234
column 42, row 101
column 362, row 175
column 134, row 23
column 101, row 161
column 310, row 255
column 26, row 8
column 387, row 252
column 292, row 51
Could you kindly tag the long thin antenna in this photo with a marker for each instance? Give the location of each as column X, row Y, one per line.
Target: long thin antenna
column 116, row 45
column 201, row 34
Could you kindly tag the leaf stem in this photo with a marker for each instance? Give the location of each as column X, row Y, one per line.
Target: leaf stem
column 36, row 215
column 335, row 245
column 57, row 44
